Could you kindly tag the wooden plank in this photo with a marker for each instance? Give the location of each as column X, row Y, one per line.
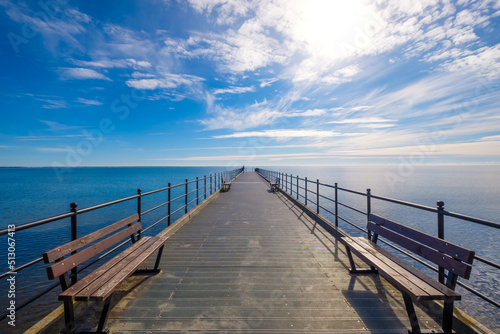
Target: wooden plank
column 371, row 247
column 65, row 249
column 441, row 259
column 131, row 267
column 91, row 277
column 441, row 245
column 72, row 261
column 400, row 277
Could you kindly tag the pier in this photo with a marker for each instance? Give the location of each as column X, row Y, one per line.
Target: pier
column 252, row 261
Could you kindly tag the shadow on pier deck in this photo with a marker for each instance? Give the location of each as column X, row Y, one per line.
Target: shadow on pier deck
column 252, row 261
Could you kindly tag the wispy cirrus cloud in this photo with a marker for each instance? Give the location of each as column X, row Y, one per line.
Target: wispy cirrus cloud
column 283, row 134
column 233, row 90
column 89, row 102
column 81, row 74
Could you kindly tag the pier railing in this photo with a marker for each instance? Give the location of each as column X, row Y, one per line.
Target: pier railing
column 181, row 198
column 324, row 199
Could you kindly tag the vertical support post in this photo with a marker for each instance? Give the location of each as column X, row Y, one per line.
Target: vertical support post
column 205, row 186
column 169, row 197
column 74, row 236
column 286, row 182
column 186, row 198
column 297, row 186
column 440, row 221
column 139, row 210
column 336, row 206
column 210, row 184
column 317, row 196
column 197, row 191
column 368, row 209
column 305, row 191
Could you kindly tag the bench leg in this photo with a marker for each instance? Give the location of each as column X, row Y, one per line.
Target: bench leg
column 448, row 316
column 158, row 258
column 353, row 269
column 104, row 317
column 69, row 316
column 156, row 268
column 412, row 315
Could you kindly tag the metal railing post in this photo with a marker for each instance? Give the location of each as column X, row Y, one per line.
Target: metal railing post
column 305, row 186
column 139, row 210
column 197, row 189
column 286, row 182
column 205, row 186
column 297, row 186
column 317, row 196
column 336, row 206
column 74, row 235
column 368, row 209
column 210, row 184
column 440, row 221
column 169, row 197
column 186, row 198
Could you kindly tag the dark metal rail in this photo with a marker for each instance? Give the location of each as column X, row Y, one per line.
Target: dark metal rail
column 211, row 184
column 313, row 189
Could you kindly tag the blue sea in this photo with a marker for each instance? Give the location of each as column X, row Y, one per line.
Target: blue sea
column 29, row 194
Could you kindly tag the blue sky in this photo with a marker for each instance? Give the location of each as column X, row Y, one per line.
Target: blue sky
column 232, row 82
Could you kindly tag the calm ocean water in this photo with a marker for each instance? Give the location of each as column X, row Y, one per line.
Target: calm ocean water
column 29, row 194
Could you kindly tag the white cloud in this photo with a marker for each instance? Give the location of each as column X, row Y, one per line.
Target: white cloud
column 307, row 113
column 89, row 102
column 252, row 157
column 282, row 134
column 484, row 62
column 140, row 75
column 81, row 74
column 362, row 120
column 54, row 149
column 251, row 116
column 233, row 90
column 168, row 81
column 56, row 126
column 114, row 63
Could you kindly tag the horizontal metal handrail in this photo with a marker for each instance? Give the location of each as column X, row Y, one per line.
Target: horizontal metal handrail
column 75, row 213
column 289, row 184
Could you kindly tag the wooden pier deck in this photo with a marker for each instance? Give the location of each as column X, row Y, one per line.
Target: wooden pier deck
column 252, row 262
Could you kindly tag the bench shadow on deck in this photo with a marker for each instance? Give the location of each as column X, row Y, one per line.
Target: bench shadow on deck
column 253, row 261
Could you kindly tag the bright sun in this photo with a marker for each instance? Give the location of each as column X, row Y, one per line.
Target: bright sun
column 328, row 26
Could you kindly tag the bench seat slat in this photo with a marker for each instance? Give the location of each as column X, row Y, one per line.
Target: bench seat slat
column 65, row 249
column 400, row 276
column 449, row 293
column 76, row 288
column 153, row 245
column 74, row 260
column 457, row 267
column 119, row 267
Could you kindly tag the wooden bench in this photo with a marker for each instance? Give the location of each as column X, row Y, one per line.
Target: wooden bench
column 101, row 283
column 275, row 185
column 225, row 185
column 413, row 283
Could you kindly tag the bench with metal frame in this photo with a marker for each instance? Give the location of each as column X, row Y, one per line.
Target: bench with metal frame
column 275, row 185
column 225, row 185
column 100, row 284
column 413, row 283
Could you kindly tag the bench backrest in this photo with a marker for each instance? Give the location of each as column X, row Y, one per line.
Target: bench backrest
column 454, row 258
column 63, row 265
